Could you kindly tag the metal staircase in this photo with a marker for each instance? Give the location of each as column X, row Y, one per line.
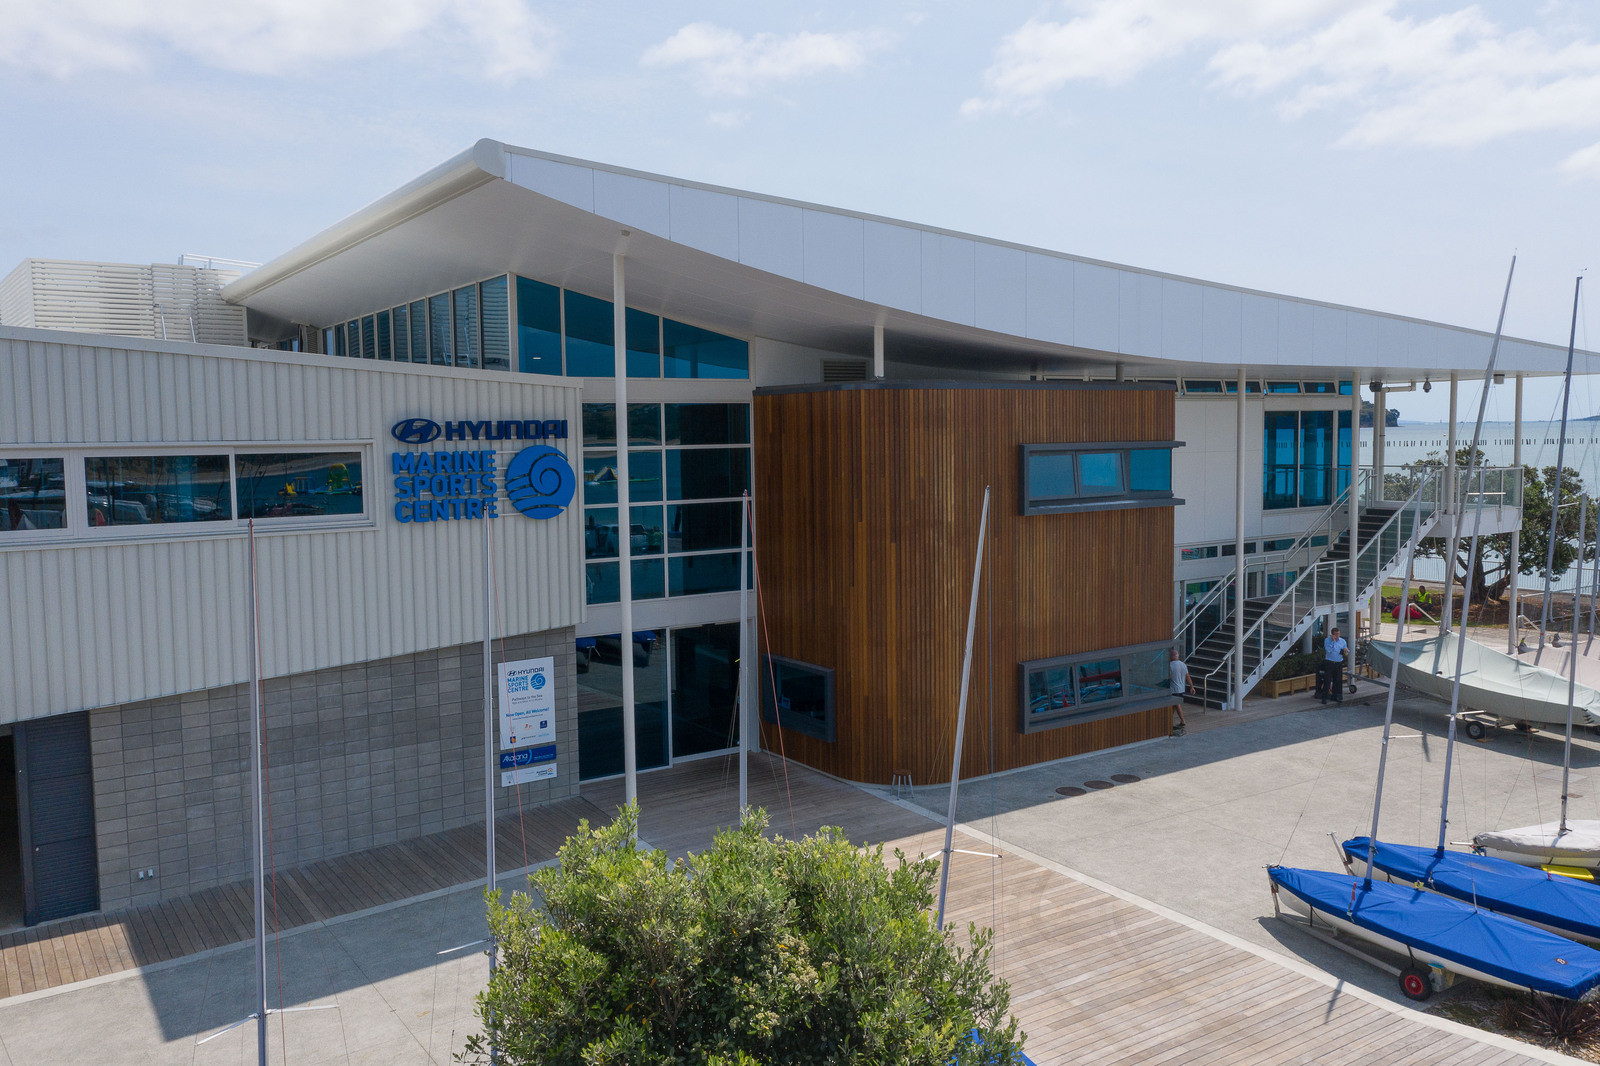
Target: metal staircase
column 1294, row 587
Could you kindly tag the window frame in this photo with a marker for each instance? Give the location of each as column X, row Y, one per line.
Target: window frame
column 1079, row 712
column 1079, row 501
column 826, row 731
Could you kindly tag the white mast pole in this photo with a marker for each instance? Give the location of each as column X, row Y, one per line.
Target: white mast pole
column 490, row 763
column 961, row 709
column 259, row 795
column 1572, row 652
column 1472, row 558
column 745, row 669
column 1514, row 562
column 1561, row 458
column 619, row 326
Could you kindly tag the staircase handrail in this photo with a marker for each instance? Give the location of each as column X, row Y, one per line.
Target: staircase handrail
column 1314, row 573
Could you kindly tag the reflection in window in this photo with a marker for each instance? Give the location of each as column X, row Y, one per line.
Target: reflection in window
column 591, row 340
column 705, row 682
column 693, row 527
column 1050, row 690
column 133, row 490
column 692, row 352
column 1050, row 475
column 466, row 312
column 33, row 494
column 797, row 696
column 496, row 334
column 369, row 338
column 1100, row 680
column 704, row 474
column 402, row 334
column 1145, row 673
column 603, row 583
column 599, row 663
column 439, row 351
column 385, row 341
column 602, row 539
column 1076, row 688
column 1100, row 473
column 419, row 332
column 299, row 484
column 692, row 575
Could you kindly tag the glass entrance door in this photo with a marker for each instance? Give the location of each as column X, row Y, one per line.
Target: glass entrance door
column 705, row 686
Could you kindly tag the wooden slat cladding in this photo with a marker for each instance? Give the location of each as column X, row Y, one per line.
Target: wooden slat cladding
column 868, row 520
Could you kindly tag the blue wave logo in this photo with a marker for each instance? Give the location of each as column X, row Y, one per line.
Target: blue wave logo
column 416, row 431
column 538, row 682
column 540, row 482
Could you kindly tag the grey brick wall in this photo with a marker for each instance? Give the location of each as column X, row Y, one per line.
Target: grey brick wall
column 357, row 756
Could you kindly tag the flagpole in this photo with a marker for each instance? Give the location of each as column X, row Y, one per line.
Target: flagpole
column 961, row 710
column 745, row 670
column 259, row 804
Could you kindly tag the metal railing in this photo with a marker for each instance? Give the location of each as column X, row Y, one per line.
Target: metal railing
column 1325, row 584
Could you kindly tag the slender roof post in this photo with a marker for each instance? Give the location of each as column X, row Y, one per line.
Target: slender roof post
column 1451, row 492
column 1238, row 554
column 619, row 326
column 1355, row 509
column 1514, row 614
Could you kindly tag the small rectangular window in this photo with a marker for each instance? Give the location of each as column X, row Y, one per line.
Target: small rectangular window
column 439, row 351
column 299, row 484
column 33, row 494
column 1150, row 470
column 798, row 696
column 332, row 344
column 1250, row 387
column 1050, row 691
column 1051, row 477
column 603, row 540
column 493, row 300
column 1283, row 387
column 644, row 344
column 1100, row 681
column 1076, row 688
column 599, row 424
column 1059, row 478
column 1100, row 474
column 708, row 423
column 401, row 317
column 1319, row 387
column 369, row 338
column 419, row 331
column 353, row 331
column 385, row 340
column 141, row 490
column 693, row 527
column 603, row 583
column 1201, row 387
column 707, row 473
column 468, row 350
column 693, row 575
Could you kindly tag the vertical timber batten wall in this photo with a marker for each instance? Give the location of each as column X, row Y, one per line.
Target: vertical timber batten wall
column 868, row 522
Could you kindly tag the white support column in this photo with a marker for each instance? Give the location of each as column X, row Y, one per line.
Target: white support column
column 619, row 323
column 1355, row 506
column 746, row 664
column 1516, row 533
column 1449, row 497
column 1238, row 554
column 877, row 352
column 1380, row 414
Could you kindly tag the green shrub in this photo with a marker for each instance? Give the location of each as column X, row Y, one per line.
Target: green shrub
column 1294, row 664
column 756, row 951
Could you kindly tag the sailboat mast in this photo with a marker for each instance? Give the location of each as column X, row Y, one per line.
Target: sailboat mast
column 1394, row 669
column 258, row 795
column 1561, row 455
column 1572, row 652
column 1473, row 466
column 961, row 709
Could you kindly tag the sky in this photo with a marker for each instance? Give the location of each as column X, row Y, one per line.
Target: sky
column 1391, row 154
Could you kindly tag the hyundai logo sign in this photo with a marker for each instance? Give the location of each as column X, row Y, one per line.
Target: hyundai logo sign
column 416, row 431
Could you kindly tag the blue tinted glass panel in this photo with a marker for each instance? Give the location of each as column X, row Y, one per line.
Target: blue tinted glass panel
column 402, row 334
column 702, row 526
column 708, row 423
column 466, row 326
column 353, row 331
column 1100, row 681
column 644, row 423
column 602, row 538
column 1319, row 386
column 1280, row 449
column 1050, row 690
column 1316, row 458
column 707, row 473
column 419, row 332
column 1145, row 673
column 603, row 586
column 600, row 478
column 496, row 332
column 1050, row 476
column 1150, row 470
column 385, row 342
column 644, row 476
column 136, row 490
column 538, row 327
column 599, row 424
column 1100, row 473
column 340, row 345
column 1341, row 475
column 1283, row 386
column 33, row 494
column 299, row 484
column 369, row 338
column 590, row 337
column 1346, row 388
column 644, row 344
column 439, row 351
column 690, row 575
column 692, row 352
column 1202, row 386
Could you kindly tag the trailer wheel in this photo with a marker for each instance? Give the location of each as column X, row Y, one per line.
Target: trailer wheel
column 1416, row 984
column 1476, row 730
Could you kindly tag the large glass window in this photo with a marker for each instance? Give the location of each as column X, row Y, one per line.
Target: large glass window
column 708, row 423
column 692, row 352
column 1316, row 458
column 496, row 335
column 1100, row 473
column 538, row 327
column 468, row 352
column 1305, row 459
column 33, row 494
column 692, row 575
column 1150, row 470
column 707, row 473
column 591, row 351
column 134, row 490
column 705, row 688
column 600, row 702
column 602, row 539
column 1092, row 685
column 693, row 527
column 1081, row 477
column 797, row 696
column 1281, row 451
column 298, row 484
column 603, row 581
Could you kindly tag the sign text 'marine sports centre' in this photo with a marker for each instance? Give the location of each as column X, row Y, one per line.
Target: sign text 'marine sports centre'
column 438, row 486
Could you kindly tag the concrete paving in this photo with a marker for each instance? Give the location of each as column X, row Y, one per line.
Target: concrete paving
column 1213, row 808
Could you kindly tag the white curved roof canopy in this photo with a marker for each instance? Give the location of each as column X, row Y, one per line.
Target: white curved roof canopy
column 757, row 265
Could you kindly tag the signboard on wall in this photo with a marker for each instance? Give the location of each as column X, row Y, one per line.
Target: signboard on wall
column 527, row 720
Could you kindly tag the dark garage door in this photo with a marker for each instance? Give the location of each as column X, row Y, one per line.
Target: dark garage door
column 56, row 788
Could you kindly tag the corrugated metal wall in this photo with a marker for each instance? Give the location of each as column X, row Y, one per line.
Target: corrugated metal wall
column 157, row 301
column 93, row 623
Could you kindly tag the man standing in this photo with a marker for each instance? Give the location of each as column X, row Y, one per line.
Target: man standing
column 1182, row 684
column 1334, row 649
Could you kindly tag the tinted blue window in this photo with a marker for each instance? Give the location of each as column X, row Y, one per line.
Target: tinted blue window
column 1283, row 386
column 369, row 338
column 419, row 332
column 708, row 423
column 1100, row 681
column 1281, row 459
column 644, row 476
column 691, row 575
column 466, row 326
column 385, row 342
column 1316, row 457
column 1099, row 473
column 1150, row 470
column 1202, row 386
column 1319, row 386
column 590, row 338
column 299, row 484
column 644, row 344
column 402, row 334
column 600, row 477
column 132, row 490
column 538, row 327
column 439, row 351
column 602, row 582
column 1050, row 476
column 603, row 540
column 341, row 345
column 707, row 473
column 496, row 335
column 692, row 352
column 35, row 494
column 693, row 527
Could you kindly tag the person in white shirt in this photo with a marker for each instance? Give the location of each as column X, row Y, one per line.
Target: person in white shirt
column 1334, row 650
column 1181, row 684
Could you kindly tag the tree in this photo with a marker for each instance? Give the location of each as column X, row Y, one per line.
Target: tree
column 757, row 950
column 1491, row 575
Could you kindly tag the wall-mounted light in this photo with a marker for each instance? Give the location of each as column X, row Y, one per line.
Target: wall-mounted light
column 1427, row 385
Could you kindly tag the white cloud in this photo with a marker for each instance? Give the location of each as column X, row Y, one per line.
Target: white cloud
column 502, row 40
column 726, row 63
column 1456, row 78
column 1584, row 163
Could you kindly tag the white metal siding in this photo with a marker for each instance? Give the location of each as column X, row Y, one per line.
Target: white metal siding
column 91, row 624
column 155, row 301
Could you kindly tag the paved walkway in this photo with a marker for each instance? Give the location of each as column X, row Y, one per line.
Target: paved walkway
column 1096, row 973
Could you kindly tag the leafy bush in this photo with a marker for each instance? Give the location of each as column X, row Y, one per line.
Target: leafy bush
column 1294, row 664
column 756, row 951
column 1561, row 1021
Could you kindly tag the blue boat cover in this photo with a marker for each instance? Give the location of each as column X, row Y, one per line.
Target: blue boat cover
column 1570, row 907
column 1451, row 930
